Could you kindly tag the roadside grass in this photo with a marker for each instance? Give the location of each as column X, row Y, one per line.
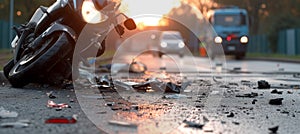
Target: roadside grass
column 274, row 56
column 5, row 56
column 106, row 58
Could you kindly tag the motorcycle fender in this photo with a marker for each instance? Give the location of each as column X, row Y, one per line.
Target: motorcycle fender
column 59, row 27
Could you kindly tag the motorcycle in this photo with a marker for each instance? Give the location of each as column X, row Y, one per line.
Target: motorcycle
column 43, row 48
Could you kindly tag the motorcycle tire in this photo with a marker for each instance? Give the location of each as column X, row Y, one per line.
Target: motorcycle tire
column 7, row 67
column 36, row 63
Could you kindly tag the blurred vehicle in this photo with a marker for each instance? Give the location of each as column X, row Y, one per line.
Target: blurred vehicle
column 232, row 27
column 171, row 42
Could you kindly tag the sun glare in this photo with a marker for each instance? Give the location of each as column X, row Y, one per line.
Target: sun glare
column 148, row 7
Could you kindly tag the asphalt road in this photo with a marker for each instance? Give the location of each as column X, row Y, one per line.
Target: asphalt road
column 222, row 98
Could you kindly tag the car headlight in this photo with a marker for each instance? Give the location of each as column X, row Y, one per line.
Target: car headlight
column 244, row 39
column 90, row 14
column 218, row 40
column 181, row 44
column 163, row 44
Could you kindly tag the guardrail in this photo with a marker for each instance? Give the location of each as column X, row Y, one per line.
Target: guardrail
column 288, row 43
column 4, row 35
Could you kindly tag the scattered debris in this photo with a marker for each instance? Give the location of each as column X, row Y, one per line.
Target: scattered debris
column 254, row 101
column 135, row 107
column 247, row 95
column 72, row 100
column 235, row 123
column 289, row 92
column 207, row 130
column 110, row 104
column 193, row 124
column 295, row 86
column 285, row 112
column 233, row 84
column 275, row 91
column 52, row 104
column 95, row 97
column 274, row 129
column 224, row 86
column 134, row 67
column 237, row 69
column 277, row 101
column 231, row 114
column 18, row 124
column 163, row 68
column 262, row 84
column 137, row 67
column 246, row 83
column 215, row 92
column 174, row 96
column 205, row 119
column 172, row 88
column 104, row 81
column 7, row 114
column 154, row 84
column 50, row 95
column 217, row 78
column 121, row 123
column 68, row 85
column 219, row 67
column 116, row 107
column 62, row 120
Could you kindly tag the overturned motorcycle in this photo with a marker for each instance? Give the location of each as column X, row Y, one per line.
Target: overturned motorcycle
column 43, row 48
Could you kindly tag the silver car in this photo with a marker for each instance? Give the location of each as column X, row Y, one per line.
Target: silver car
column 171, row 42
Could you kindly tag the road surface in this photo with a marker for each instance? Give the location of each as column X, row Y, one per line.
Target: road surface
column 222, row 98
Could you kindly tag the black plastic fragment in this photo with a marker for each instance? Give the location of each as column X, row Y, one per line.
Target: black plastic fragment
column 277, row 101
column 262, row 84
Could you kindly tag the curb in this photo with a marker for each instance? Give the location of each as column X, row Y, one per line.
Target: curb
column 274, row 59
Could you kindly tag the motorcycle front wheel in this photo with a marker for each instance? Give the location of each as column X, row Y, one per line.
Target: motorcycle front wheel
column 7, row 67
column 37, row 62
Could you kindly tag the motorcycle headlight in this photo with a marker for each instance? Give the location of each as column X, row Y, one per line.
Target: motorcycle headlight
column 90, row 14
column 244, row 39
column 218, row 40
column 181, row 44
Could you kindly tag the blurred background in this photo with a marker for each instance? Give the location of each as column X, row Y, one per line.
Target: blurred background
column 274, row 24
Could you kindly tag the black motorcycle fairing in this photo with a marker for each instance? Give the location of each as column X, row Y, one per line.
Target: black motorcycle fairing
column 57, row 10
column 59, row 27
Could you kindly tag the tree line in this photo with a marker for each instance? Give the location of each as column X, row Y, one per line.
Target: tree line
column 23, row 9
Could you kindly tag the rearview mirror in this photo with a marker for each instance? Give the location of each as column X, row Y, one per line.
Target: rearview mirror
column 130, row 24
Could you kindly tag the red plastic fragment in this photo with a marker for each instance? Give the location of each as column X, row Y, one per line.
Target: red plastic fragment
column 61, row 120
